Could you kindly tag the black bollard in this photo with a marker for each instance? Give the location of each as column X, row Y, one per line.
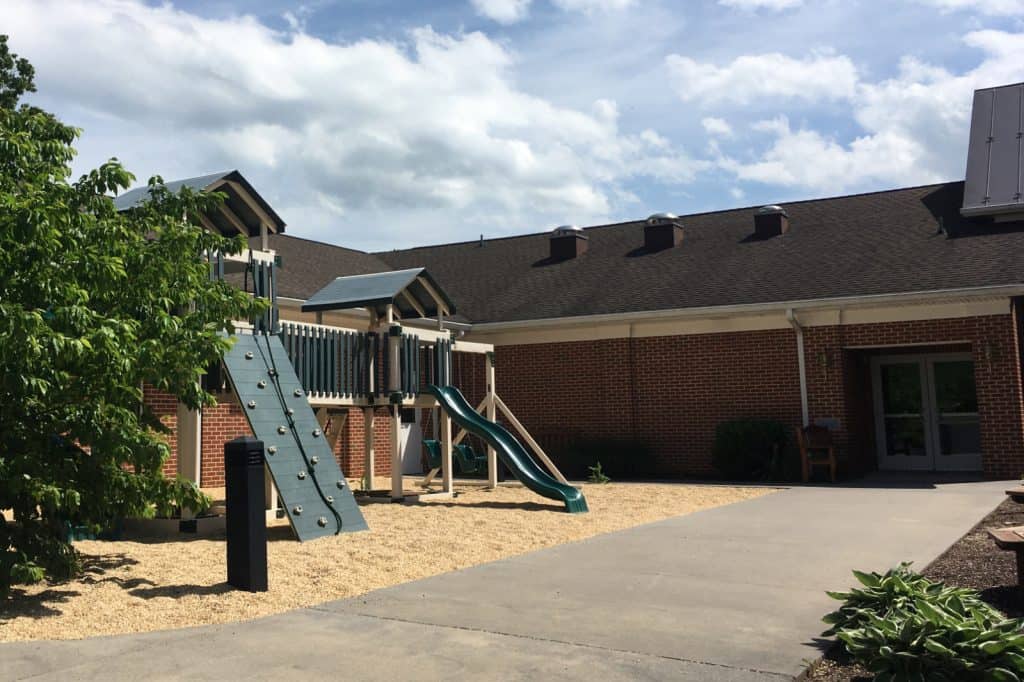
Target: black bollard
column 246, row 514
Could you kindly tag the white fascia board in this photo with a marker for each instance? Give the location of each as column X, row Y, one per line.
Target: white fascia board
column 837, row 303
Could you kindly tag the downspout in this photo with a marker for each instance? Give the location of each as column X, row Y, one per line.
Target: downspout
column 804, row 410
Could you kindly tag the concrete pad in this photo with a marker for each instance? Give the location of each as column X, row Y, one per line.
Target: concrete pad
column 733, row 593
column 740, row 586
column 307, row 644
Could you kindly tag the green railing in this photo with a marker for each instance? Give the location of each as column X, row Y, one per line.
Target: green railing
column 334, row 363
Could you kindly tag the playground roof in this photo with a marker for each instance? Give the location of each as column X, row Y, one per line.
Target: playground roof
column 243, row 209
column 413, row 292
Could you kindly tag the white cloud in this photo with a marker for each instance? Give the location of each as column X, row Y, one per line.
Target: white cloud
column 750, row 78
column 716, row 127
column 589, row 6
column 774, row 5
column 914, row 127
column 989, row 7
column 503, row 11
column 408, row 142
column 513, row 11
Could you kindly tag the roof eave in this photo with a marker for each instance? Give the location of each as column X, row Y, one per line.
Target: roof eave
column 1002, row 290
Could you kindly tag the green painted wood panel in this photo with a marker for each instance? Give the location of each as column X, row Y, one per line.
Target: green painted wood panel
column 298, row 454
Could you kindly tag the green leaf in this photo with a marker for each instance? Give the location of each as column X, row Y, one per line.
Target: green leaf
column 867, row 579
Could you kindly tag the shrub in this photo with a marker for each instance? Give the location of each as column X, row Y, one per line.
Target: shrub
column 749, row 449
column 903, row 626
column 598, row 476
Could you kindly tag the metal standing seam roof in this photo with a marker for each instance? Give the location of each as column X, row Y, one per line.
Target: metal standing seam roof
column 378, row 290
column 140, row 195
column 995, row 155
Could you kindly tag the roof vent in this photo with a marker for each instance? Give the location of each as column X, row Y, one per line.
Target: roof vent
column 662, row 231
column 568, row 241
column 770, row 221
column 995, row 163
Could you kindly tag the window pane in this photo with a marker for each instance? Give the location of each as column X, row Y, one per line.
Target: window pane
column 954, row 386
column 959, row 435
column 904, row 436
column 901, row 388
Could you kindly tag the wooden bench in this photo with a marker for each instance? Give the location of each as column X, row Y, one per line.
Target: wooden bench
column 1012, row 540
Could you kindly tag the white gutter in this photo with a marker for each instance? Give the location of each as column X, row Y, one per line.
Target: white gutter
column 805, row 412
column 1002, row 290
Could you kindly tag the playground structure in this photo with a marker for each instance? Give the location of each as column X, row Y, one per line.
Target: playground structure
column 293, row 378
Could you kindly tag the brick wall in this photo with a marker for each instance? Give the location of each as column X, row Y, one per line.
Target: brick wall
column 668, row 392
column 220, row 424
column 350, row 450
column 227, row 421
column 671, row 391
column 165, row 407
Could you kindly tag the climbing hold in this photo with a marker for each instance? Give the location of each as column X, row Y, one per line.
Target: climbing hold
column 272, row 450
column 248, row 355
column 289, row 411
column 297, row 510
column 272, row 372
column 252, row 404
column 282, row 430
column 316, row 433
column 302, row 475
column 298, row 393
column 330, row 499
column 314, row 459
column 322, row 521
column 261, row 384
column 341, row 484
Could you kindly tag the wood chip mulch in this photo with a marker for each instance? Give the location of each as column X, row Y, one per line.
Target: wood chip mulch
column 973, row 561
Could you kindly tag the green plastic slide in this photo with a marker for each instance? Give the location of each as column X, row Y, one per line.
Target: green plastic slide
column 509, row 449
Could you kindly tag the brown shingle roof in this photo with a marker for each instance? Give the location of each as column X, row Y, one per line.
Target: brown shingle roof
column 307, row 266
column 877, row 243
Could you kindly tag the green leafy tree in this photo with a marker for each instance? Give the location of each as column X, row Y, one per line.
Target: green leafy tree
column 94, row 304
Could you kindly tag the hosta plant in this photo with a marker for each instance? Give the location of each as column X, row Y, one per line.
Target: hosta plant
column 903, row 626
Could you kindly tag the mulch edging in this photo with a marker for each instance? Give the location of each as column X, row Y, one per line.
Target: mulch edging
column 972, row 561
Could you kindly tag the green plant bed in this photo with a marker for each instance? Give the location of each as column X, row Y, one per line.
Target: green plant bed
column 903, row 626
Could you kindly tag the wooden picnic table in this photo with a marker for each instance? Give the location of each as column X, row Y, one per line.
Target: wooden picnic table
column 1012, row 540
column 1016, row 494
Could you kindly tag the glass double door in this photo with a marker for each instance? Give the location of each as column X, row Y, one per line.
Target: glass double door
column 926, row 412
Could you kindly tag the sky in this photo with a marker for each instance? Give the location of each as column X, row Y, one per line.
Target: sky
column 384, row 124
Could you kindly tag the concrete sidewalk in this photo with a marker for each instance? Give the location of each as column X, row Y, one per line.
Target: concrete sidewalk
column 733, row 593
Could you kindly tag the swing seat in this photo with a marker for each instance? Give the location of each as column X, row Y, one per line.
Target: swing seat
column 433, row 449
column 469, row 461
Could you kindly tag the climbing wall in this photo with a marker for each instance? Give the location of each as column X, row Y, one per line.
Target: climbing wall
column 316, row 496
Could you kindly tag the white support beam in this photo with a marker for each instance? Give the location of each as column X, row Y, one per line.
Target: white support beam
column 270, row 494
column 492, row 456
column 396, row 453
column 368, row 448
column 446, row 452
column 233, row 218
column 442, row 308
column 529, row 439
column 190, row 447
column 247, row 198
column 462, row 346
column 412, row 301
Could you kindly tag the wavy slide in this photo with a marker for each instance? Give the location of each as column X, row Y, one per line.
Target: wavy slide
column 509, row 449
